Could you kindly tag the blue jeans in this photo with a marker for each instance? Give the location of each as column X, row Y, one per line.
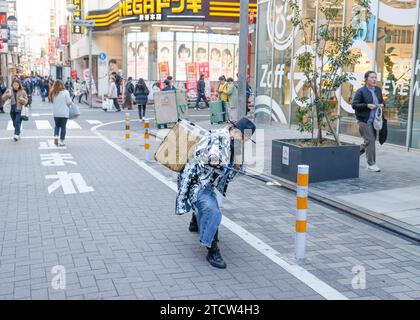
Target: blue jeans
column 60, row 127
column 17, row 119
column 201, row 97
column 208, row 215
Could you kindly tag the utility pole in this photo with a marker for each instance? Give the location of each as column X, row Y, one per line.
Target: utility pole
column 243, row 58
column 90, row 68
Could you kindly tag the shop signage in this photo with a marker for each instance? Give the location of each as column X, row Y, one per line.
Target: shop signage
column 64, row 35
column 129, row 11
column 191, row 79
column 163, row 72
column 77, row 15
column 4, row 6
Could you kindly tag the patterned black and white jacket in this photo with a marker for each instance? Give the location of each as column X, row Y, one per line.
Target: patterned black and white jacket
column 199, row 174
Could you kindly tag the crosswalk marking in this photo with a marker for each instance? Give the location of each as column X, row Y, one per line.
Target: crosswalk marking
column 49, row 124
column 43, row 124
column 93, row 122
column 10, row 126
column 71, row 124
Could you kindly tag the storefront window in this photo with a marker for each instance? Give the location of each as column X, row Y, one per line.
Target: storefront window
column 165, row 54
column 184, row 54
column 394, row 61
column 138, row 55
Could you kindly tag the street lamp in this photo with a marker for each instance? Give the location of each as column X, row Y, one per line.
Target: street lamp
column 89, row 25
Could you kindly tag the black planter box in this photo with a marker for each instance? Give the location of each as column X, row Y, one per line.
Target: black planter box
column 325, row 163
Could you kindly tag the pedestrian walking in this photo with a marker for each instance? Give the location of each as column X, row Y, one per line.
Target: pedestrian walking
column 18, row 99
column 367, row 101
column 29, row 89
column 223, row 96
column 231, row 91
column 69, row 86
column 84, row 92
column 216, row 162
column 201, row 91
column 112, row 93
column 45, row 88
column 141, row 93
column 3, row 90
column 61, row 100
column 129, row 91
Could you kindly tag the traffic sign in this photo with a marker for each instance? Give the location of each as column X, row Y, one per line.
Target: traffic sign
column 102, row 56
column 83, row 23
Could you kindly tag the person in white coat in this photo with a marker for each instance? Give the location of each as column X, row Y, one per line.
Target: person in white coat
column 113, row 94
column 61, row 100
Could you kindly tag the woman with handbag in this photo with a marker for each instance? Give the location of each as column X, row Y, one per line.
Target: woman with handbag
column 61, row 100
column 18, row 99
column 141, row 93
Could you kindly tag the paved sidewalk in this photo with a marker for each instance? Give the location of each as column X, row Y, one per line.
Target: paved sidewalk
column 337, row 242
column 390, row 198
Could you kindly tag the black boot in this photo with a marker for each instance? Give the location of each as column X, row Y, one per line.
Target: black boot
column 193, row 224
column 214, row 257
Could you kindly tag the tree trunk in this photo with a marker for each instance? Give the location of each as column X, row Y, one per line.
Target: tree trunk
column 337, row 139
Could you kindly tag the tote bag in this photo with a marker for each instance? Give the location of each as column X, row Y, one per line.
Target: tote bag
column 24, row 114
column 74, row 111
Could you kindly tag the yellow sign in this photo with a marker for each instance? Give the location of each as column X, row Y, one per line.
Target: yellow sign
column 77, row 15
column 166, row 10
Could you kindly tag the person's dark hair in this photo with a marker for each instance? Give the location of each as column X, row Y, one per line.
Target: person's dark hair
column 222, row 78
column 167, row 82
column 215, row 50
column 227, row 52
column 112, row 61
column 201, row 50
column 202, row 76
column 19, row 83
column 230, row 79
column 141, row 84
column 170, row 78
column 368, row 73
column 181, row 48
column 130, row 79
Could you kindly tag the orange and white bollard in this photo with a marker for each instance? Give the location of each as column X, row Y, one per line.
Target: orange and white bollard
column 302, row 211
column 146, row 140
column 127, row 127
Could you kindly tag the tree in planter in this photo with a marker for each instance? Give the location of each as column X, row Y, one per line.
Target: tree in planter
column 322, row 64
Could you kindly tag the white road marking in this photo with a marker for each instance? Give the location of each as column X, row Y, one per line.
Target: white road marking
column 49, row 137
column 10, row 126
column 43, row 125
column 295, row 270
column 71, row 124
column 68, row 182
column 94, row 122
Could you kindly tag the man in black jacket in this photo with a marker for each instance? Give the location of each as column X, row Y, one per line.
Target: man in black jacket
column 201, row 92
column 365, row 103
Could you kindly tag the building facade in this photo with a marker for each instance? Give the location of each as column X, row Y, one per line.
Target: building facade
column 154, row 38
column 388, row 41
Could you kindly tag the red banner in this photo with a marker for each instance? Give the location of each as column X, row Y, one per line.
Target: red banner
column 204, row 68
column 64, row 35
column 191, row 79
column 163, row 72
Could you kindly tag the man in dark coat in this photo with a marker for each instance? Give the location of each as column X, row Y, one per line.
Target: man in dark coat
column 201, row 90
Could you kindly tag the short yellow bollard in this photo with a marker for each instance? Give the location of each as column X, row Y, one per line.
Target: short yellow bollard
column 147, row 140
column 127, row 126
